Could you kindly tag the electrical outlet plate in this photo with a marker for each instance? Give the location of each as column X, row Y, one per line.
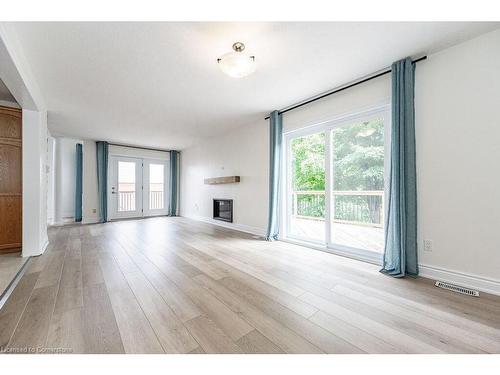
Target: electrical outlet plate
column 427, row 245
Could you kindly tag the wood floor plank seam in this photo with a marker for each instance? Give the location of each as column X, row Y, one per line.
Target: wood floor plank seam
column 249, row 320
column 145, row 315
column 170, row 284
column 21, row 315
column 153, row 284
column 58, row 287
column 186, row 277
column 137, row 304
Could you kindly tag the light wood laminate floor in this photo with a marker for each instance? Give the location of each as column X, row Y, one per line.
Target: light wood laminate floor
column 173, row 285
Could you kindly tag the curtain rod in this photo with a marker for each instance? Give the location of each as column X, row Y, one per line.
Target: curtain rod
column 141, row 148
column 343, row 87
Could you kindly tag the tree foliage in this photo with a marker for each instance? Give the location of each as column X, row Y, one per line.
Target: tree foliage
column 357, row 164
column 358, row 156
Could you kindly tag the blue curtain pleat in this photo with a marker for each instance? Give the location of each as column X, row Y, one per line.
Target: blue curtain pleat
column 102, row 150
column 173, row 182
column 400, row 253
column 79, row 182
column 275, row 140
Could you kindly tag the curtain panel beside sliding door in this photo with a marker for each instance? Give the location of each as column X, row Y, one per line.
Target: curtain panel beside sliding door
column 173, row 183
column 400, row 253
column 79, row 182
column 275, row 152
column 102, row 150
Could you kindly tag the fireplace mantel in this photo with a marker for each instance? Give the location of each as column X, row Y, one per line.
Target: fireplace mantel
column 222, row 180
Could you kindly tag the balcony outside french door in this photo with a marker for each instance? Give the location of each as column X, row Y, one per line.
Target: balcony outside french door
column 334, row 194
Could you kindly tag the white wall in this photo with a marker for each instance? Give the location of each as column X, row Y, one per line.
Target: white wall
column 458, row 150
column 65, row 178
column 457, row 133
column 51, row 181
column 374, row 93
column 90, row 195
column 243, row 152
column 34, row 182
column 138, row 153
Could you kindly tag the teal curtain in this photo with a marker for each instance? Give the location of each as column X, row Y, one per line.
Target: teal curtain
column 275, row 140
column 173, row 183
column 102, row 149
column 79, row 182
column 400, row 253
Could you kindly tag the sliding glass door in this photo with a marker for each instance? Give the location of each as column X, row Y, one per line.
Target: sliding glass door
column 335, row 176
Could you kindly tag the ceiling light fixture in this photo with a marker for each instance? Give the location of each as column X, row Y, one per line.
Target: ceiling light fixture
column 237, row 64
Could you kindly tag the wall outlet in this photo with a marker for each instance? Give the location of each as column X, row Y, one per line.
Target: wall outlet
column 427, row 245
column 94, row 210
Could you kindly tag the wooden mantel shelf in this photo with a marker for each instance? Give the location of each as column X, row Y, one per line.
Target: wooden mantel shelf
column 222, row 180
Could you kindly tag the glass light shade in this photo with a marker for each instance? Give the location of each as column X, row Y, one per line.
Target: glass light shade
column 237, row 64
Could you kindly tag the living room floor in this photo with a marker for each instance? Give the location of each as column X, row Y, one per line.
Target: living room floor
column 175, row 285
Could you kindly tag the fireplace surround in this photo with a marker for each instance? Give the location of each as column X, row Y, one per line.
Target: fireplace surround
column 223, row 210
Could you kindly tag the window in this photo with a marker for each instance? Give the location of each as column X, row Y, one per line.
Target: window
column 156, row 186
column 335, row 175
column 126, row 186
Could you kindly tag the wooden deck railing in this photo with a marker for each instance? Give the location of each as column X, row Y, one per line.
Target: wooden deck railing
column 350, row 207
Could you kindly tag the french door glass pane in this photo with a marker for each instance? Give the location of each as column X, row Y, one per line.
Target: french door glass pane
column 307, row 195
column 357, row 200
column 156, row 186
column 126, row 186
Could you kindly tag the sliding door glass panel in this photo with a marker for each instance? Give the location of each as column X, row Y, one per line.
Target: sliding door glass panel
column 306, row 191
column 357, row 196
column 126, row 186
column 156, row 186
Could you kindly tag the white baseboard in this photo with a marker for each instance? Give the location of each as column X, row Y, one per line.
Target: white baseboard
column 459, row 278
column 45, row 245
column 42, row 249
column 90, row 220
column 239, row 227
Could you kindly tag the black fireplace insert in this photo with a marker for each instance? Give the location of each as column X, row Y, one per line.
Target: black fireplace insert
column 223, row 210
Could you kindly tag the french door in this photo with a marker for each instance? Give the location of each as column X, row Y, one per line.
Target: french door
column 137, row 187
column 335, row 184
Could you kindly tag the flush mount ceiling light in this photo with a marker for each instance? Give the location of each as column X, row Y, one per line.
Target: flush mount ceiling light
column 237, row 64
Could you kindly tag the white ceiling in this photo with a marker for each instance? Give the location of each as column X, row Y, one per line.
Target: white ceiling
column 158, row 84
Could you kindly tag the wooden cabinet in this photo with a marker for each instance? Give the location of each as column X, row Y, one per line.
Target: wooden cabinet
column 10, row 179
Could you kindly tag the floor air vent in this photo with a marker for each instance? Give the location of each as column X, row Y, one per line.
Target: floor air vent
column 457, row 288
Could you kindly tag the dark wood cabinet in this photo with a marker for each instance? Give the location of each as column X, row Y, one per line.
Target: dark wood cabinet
column 11, row 186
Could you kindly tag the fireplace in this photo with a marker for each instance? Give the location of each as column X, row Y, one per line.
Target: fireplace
column 223, row 210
